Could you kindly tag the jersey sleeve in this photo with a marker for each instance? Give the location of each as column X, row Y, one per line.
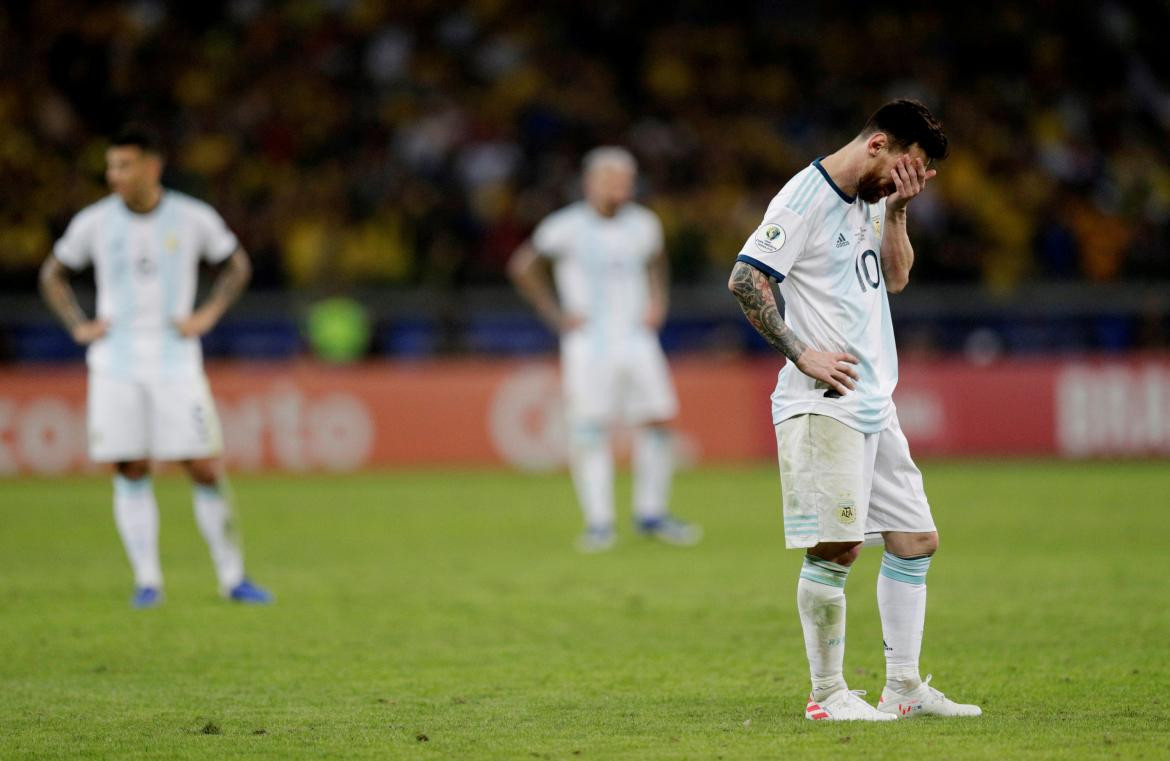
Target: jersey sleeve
column 218, row 242
column 551, row 237
column 75, row 248
column 776, row 244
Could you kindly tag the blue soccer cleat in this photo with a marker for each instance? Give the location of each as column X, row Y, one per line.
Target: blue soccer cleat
column 146, row 597
column 670, row 530
column 596, row 539
column 247, row 592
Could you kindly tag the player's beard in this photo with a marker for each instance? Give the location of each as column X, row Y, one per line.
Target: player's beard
column 872, row 187
column 609, row 207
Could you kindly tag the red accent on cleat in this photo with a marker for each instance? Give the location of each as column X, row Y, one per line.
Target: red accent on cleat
column 814, row 711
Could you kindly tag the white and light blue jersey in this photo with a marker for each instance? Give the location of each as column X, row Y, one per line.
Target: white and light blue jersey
column 146, row 267
column 824, row 247
column 600, row 266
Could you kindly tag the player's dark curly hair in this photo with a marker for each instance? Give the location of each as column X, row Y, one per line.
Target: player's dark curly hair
column 138, row 135
column 907, row 122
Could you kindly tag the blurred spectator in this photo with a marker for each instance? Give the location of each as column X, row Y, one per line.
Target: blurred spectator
column 417, row 143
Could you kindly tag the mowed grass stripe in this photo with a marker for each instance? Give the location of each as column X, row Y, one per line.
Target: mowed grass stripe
column 445, row 615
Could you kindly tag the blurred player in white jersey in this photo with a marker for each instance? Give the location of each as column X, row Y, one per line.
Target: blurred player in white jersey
column 835, row 240
column 610, row 274
column 148, row 395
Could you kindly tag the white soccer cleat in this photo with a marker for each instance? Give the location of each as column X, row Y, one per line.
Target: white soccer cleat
column 844, row 705
column 923, row 700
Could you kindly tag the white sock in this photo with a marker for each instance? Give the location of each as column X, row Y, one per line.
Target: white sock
column 653, row 461
column 820, row 598
column 901, row 593
column 136, row 515
column 213, row 513
column 591, row 463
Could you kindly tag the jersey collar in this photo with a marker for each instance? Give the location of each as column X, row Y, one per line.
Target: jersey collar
column 833, row 185
column 162, row 199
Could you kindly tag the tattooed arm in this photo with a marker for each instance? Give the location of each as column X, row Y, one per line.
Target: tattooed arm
column 58, row 294
column 753, row 290
column 228, row 285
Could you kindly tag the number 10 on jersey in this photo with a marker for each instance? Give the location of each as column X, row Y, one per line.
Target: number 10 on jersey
column 868, row 270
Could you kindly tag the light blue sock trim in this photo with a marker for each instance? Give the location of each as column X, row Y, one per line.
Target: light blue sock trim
column 659, row 434
column 824, row 572
column 907, row 570
column 203, row 490
column 126, row 487
column 589, row 434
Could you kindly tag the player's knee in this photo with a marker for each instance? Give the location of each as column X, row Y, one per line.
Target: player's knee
column 203, row 472
column 926, row 544
column 841, row 553
column 589, row 435
column 133, row 470
column 912, row 545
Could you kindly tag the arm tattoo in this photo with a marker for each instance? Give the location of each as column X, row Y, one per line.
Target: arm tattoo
column 753, row 291
column 231, row 281
column 58, row 294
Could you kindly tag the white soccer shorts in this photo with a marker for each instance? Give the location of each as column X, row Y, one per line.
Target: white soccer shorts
column 628, row 381
column 839, row 484
column 165, row 420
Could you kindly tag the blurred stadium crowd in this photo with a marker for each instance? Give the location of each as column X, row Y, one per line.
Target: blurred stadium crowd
column 417, row 143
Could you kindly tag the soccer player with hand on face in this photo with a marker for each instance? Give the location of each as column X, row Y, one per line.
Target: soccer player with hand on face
column 832, row 243
column 148, row 395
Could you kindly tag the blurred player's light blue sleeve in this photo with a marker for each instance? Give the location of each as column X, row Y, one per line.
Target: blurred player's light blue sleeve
column 75, row 248
column 217, row 240
column 554, row 234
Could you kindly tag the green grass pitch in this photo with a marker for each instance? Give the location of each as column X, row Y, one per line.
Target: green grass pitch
column 445, row 615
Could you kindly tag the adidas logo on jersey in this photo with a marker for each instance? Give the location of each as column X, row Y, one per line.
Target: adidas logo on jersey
column 841, row 240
